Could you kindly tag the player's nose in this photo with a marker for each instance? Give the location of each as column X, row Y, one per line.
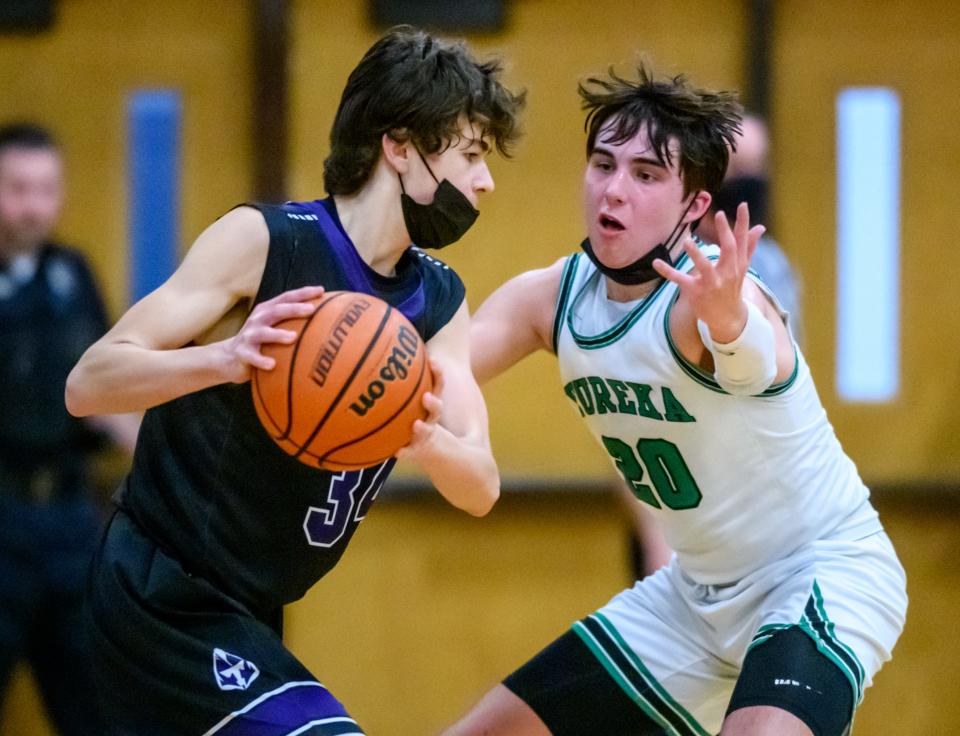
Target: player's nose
column 484, row 180
column 614, row 186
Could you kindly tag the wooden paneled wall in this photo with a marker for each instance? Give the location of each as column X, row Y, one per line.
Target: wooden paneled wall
column 820, row 49
column 429, row 608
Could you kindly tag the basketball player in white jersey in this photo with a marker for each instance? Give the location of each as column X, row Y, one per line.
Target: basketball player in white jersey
column 784, row 596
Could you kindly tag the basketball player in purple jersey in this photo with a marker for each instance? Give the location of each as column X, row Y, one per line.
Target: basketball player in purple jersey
column 216, row 527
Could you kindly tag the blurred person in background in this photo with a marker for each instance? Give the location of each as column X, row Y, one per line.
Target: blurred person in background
column 748, row 180
column 50, row 312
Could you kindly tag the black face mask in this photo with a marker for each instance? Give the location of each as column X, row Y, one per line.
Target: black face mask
column 640, row 270
column 443, row 221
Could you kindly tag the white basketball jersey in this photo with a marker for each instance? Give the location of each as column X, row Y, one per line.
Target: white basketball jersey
column 736, row 482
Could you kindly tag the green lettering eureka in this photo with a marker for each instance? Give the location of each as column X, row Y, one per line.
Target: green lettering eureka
column 595, row 395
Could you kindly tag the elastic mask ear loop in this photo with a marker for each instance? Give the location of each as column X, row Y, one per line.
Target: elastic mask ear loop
column 429, row 170
column 678, row 229
column 434, row 176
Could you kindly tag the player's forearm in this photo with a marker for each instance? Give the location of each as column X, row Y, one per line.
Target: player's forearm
column 465, row 473
column 123, row 377
column 497, row 343
column 489, row 360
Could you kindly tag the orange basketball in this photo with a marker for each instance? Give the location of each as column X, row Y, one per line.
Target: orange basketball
column 346, row 393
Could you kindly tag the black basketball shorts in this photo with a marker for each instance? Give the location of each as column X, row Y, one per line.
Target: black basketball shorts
column 173, row 655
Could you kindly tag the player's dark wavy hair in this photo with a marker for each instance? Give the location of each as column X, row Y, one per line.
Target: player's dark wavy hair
column 704, row 123
column 415, row 87
column 26, row 135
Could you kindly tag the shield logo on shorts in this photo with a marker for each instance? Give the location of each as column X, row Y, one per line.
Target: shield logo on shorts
column 233, row 672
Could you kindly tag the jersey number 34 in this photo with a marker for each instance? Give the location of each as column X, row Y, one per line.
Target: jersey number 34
column 348, row 498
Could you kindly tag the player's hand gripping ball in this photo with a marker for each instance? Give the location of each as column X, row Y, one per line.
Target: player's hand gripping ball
column 345, row 394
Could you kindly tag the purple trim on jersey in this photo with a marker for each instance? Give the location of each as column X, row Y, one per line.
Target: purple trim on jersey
column 294, row 706
column 356, row 270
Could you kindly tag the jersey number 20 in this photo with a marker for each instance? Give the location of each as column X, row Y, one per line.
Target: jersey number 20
column 665, row 468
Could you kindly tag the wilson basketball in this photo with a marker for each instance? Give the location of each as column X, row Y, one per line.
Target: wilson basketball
column 346, row 393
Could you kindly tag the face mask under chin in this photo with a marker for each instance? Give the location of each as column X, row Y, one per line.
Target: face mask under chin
column 638, row 272
column 641, row 270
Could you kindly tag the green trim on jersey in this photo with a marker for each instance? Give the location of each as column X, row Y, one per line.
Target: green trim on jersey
column 621, row 328
column 563, row 295
column 636, row 681
column 708, row 381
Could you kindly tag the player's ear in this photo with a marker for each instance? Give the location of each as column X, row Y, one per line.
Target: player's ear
column 397, row 148
column 699, row 206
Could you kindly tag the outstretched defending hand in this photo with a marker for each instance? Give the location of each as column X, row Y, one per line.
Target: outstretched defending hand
column 243, row 349
column 714, row 290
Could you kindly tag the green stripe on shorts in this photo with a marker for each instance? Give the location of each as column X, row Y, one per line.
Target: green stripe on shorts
column 610, row 649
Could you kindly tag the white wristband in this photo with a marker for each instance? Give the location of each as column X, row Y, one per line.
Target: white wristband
column 747, row 365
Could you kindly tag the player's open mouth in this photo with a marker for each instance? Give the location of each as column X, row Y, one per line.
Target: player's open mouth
column 611, row 223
